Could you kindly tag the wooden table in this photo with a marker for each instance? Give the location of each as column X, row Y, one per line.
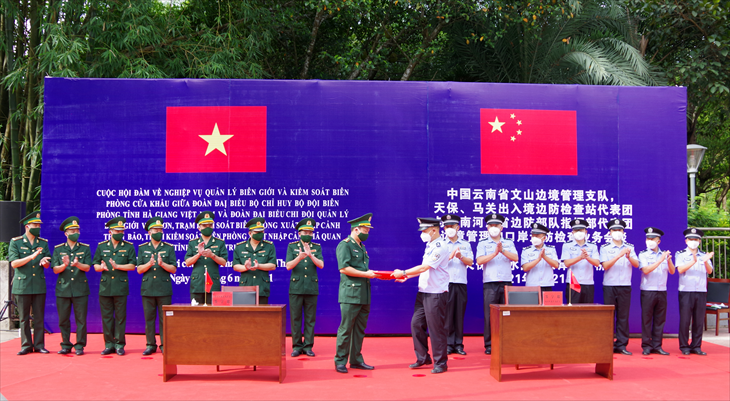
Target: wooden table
column 224, row 335
column 536, row 334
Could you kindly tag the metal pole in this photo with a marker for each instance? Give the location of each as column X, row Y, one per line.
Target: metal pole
column 692, row 190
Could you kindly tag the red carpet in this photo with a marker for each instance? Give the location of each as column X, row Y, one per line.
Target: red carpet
column 132, row 377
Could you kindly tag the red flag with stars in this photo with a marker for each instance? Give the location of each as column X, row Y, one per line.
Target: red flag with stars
column 534, row 142
column 216, row 139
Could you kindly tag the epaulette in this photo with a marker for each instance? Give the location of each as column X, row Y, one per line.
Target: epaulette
column 242, row 242
column 631, row 245
column 218, row 239
column 168, row 244
column 267, row 241
column 81, row 243
column 102, row 242
column 42, row 239
column 606, row 244
column 683, row 250
column 194, row 239
column 550, row 246
column 145, row 243
column 61, row 244
column 346, row 239
column 17, row 238
column 645, row 250
column 314, row 243
column 124, row 240
column 293, row 242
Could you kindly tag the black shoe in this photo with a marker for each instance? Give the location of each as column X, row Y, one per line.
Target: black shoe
column 295, row 353
column 439, row 369
column 362, row 366
column 698, row 352
column 64, row 351
column 309, row 352
column 685, row 352
column 660, row 351
column 488, row 351
column 107, row 351
column 645, row 352
column 419, row 364
column 450, row 351
column 621, row 351
column 460, row 351
column 41, row 350
column 120, row 351
column 341, row 368
column 25, row 351
column 149, row 351
column 79, row 351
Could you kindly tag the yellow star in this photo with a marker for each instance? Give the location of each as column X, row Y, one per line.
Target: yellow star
column 496, row 125
column 216, row 141
column 519, row 122
column 512, row 115
column 519, row 132
column 512, row 139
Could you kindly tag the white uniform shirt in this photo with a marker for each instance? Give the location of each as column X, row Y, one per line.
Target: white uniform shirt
column 657, row 279
column 456, row 268
column 500, row 267
column 620, row 273
column 436, row 279
column 583, row 269
column 542, row 274
column 695, row 278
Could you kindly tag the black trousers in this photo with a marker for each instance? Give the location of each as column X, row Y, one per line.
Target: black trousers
column 585, row 296
column 114, row 320
column 80, row 308
column 543, row 289
column 653, row 317
column 493, row 294
column 429, row 319
column 620, row 297
column 38, row 304
column 152, row 307
column 455, row 311
column 692, row 306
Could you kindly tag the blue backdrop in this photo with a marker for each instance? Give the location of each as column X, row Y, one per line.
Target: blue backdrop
column 338, row 149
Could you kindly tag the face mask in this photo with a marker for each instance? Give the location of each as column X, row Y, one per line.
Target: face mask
column 494, row 231
column 651, row 244
column 35, row 231
column 579, row 235
column 617, row 235
column 207, row 231
column 693, row 244
column 451, row 232
column 258, row 236
column 305, row 238
column 117, row 237
column 425, row 237
column 156, row 236
column 74, row 237
column 362, row 237
column 536, row 241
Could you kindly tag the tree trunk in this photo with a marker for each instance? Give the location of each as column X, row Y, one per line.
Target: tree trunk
column 12, row 106
column 318, row 19
column 421, row 51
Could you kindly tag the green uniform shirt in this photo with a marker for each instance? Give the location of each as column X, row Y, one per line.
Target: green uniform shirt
column 264, row 253
column 114, row 283
column 353, row 290
column 304, row 279
column 197, row 277
column 28, row 279
column 72, row 281
column 156, row 280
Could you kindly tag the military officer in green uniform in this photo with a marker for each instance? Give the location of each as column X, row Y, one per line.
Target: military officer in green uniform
column 157, row 261
column 205, row 252
column 114, row 258
column 303, row 258
column 71, row 260
column 354, row 295
column 29, row 255
column 255, row 258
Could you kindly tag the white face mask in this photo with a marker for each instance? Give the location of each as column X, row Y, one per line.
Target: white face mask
column 536, row 241
column 451, row 232
column 425, row 237
column 494, row 231
column 579, row 235
column 693, row 244
column 617, row 235
column 651, row 244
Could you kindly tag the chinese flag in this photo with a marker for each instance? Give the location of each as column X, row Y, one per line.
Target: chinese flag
column 574, row 284
column 208, row 281
column 216, row 139
column 536, row 142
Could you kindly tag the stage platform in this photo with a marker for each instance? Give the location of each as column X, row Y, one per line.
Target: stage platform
column 134, row 377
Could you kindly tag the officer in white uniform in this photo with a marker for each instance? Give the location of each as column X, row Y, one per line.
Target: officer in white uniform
column 461, row 258
column 429, row 314
column 693, row 266
column 656, row 267
column 581, row 257
column 539, row 260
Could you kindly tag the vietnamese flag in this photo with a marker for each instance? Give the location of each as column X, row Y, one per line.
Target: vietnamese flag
column 534, row 142
column 208, row 281
column 216, row 139
column 574, row 284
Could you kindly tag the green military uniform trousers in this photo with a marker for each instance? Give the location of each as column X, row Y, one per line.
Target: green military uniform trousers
column 81, row 308
column 351, row 333
column 152, row 307
column 37, row 304
column 307, row 304
column 114, row 320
